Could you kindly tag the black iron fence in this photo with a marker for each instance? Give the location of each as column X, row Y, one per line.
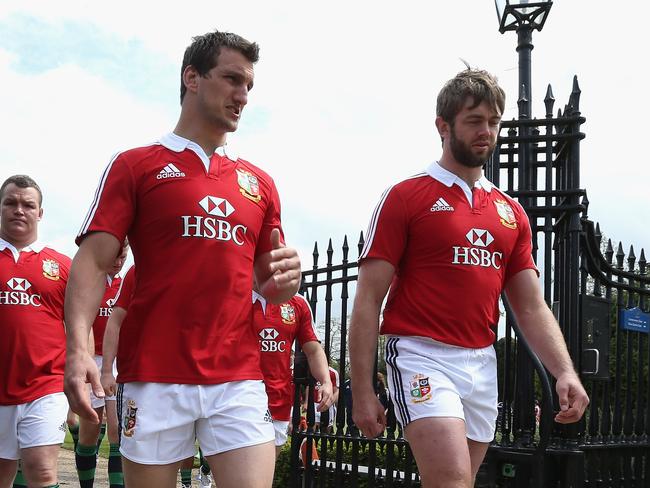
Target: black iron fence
column 601, row 300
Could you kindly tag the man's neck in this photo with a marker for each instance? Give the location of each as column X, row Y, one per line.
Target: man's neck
column 204, row 136
column 468, row 175
column 19, row 244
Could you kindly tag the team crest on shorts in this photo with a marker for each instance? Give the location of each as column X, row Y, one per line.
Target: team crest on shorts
column 51, row 269
column 248, row 185
column 506, row 214
column 288, row 314
column 420, row 388
column 129, row 418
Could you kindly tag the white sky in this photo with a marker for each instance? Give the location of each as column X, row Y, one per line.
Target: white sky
column 343, row 104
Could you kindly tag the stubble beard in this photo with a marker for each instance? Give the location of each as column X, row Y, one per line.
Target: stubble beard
column 463, row 153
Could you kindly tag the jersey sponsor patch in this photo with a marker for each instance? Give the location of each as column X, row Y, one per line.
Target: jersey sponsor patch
column 248, row 185
column 51, row 269
column 420, row 388
column 288, row 314
column 130, row 418
column 506, row 214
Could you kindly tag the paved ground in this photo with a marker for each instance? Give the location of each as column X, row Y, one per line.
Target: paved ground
column 68, row 471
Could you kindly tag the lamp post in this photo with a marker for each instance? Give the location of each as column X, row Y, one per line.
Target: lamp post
column 523, row 16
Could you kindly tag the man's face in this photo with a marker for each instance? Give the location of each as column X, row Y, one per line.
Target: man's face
column 20, row 213
column 223, row 92
column 473, row 135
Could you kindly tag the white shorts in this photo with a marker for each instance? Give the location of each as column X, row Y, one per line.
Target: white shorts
column 281, row 428
column 427, row 378
column 40, row 422
column 160, row 422
column 100, row 402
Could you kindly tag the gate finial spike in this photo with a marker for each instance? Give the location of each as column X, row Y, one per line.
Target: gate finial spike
column 574, row 99
column 549, row 101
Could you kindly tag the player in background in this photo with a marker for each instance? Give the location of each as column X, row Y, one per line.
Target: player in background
column 33, row 277
column 277, row 327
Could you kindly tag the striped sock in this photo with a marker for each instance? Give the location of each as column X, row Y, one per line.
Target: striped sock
column 74, row 432
column 19, row 480
column 186, row 477
column 102, row 433
column 86, row 460
column 115, row 476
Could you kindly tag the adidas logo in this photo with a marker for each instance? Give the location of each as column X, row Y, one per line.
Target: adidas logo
column 170, row 171
column 441, row 205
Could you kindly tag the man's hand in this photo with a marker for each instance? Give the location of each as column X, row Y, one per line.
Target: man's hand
column 573, row 398
column 281, row 268
column 108, row 383
column 368, row 415
column 80, row 369
column 325, row 394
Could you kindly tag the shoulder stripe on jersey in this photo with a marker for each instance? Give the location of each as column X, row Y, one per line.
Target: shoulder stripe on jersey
column 98, row 192
column 311, row 314
column 95, row 202
column 398, row 388
column 372, row 226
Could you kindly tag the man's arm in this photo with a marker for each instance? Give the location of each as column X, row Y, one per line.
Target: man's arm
column 320, row 370
column 109, row 349
column 277, row 272
column 86, row 287
column 542, row 332
column 375, row 276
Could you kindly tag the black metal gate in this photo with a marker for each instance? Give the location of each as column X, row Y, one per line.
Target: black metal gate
column 601, row 300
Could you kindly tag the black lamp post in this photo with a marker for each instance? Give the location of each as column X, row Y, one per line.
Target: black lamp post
column 523, row 16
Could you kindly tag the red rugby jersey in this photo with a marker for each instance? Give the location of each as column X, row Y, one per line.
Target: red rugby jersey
column 32, row 348
column 105, row 310
column 125, row 292
column 276, row 327
column 451, row 258
column 195, row 225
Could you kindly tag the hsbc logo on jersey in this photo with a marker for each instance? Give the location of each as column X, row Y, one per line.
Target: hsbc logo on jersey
column 477, row 254
column 18, row 294
column 217, row 206
column 268, row 342
column 213, row 227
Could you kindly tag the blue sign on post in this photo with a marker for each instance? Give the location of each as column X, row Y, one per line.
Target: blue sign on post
column 635, row 320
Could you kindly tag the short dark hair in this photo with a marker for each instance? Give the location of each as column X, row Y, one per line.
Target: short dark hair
column 478, row 84
column 204, row 52
column 22, row 181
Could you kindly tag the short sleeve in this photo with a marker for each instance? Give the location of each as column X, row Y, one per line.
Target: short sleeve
column 305, row 321
column 388, row 229
column 522, row 253
column 113, row 206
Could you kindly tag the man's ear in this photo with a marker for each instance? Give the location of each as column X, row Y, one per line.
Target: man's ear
column 191, row 78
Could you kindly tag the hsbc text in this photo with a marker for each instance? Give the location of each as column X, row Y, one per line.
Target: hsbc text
column 474, row 256
column 19, row 298
column 211, row 228
column 273, row 346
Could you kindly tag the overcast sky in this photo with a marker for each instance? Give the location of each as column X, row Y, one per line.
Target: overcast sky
column 343, row 104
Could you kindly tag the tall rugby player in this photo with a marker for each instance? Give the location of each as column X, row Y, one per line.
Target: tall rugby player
column 201, row 223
